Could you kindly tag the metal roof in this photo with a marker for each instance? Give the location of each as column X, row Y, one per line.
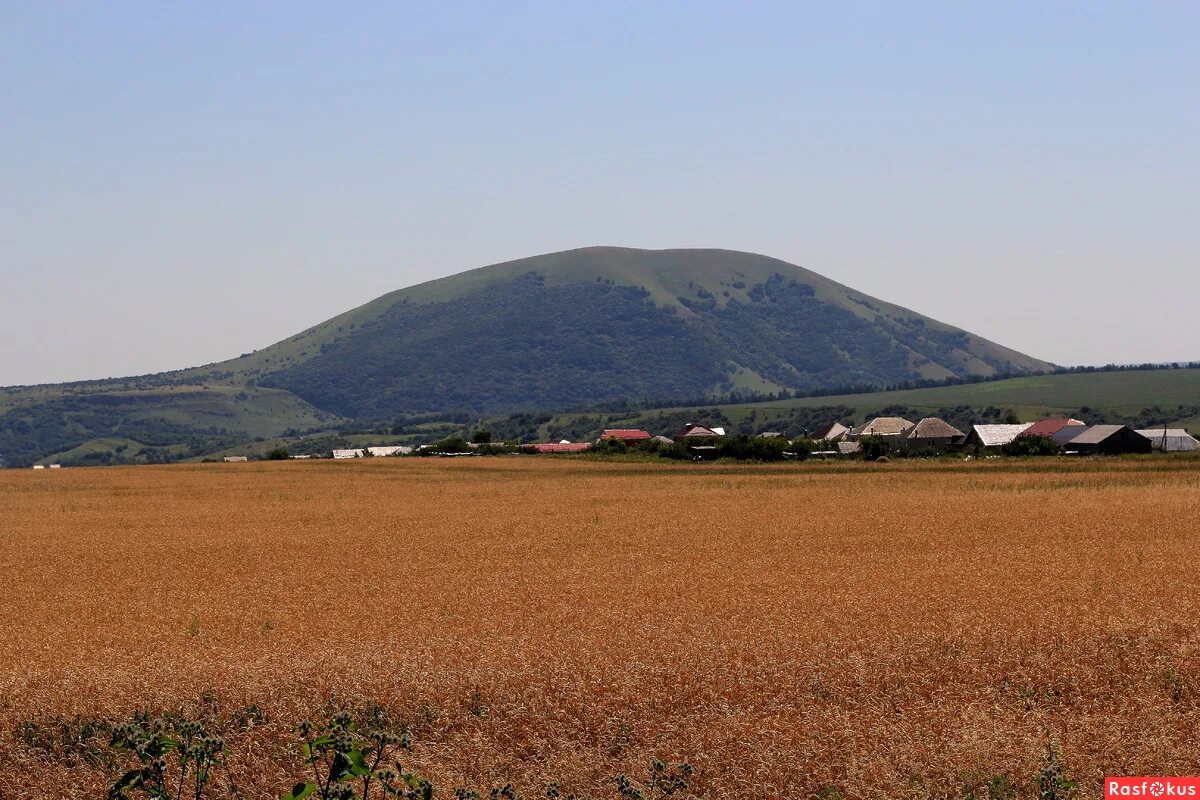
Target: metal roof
column 1051, row 426
column 1095, row 434
column 625, row 433
column 996, row 435
column 1065, row 434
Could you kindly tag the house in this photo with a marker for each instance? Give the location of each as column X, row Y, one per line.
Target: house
column 663, row 440
column 831, row 432
column 631, row 437
column 770, row 435
column 1109, row 440
column 693, row 431
column 1051, row 426
column 235, row 459
column 881, row 426
column 848, row 448
column 994, row 435
column 1170, row 440
column 932, row 433
column 561, row 447
column 357, row 453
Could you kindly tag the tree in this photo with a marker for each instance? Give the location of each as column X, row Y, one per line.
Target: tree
column 481, row 436
column 278, row 454
column 873, row 447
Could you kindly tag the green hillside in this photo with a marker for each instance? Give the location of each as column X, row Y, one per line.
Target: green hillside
column 573, row 329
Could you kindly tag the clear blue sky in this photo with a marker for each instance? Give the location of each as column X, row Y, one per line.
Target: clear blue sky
column 179, row 185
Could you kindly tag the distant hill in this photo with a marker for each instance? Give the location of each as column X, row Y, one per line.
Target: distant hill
column 563, row 330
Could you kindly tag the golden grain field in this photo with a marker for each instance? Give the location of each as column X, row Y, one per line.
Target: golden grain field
column 898, row 631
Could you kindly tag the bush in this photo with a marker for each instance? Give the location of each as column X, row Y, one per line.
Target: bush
column 278, row 454
column 1032, row 446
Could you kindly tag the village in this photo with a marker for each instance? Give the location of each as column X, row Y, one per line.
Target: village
column 880, row 437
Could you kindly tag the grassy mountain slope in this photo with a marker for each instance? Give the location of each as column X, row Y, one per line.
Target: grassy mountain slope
column 601, row 324
column 678, row 280
column 555, row 331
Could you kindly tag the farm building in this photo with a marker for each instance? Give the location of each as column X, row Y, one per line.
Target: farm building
column 235, row 459
column 848, row 448
column 1065, row 434
column 994, row 435
column 1170, row 440
column 663, row 439
column 881, row 426
column 356, row 453
column 932, row 433
column 1109, row 440
column 629, row 436
column 395, row 450
column 1051, row 426
column 831, row 432
column 561, row 447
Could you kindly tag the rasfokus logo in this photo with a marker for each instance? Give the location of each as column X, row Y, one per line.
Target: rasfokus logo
column 1152, row 786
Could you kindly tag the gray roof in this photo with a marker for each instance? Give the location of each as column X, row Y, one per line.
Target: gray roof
column 1095, row 434
column 831, row 431
column 1172, row 440
column 996, row 435
column 1067, row 433
column 933, row 428
column 883, row 426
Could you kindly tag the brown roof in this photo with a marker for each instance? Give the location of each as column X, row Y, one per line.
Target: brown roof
column 625, row 434
column 1049, row 427
column 561, row 447
column 933, row 428
column 692, row 429
column 883, row 426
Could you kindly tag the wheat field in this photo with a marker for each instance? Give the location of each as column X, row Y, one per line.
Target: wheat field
column 847, row 630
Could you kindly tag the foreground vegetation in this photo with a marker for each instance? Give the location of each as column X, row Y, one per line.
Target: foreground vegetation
column 909, row 630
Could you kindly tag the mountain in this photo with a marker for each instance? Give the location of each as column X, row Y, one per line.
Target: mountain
column 562, row 330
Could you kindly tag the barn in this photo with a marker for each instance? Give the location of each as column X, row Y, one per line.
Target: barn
column 1109, row 440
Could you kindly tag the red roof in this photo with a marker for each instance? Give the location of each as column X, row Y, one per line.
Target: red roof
column 625, row 434
column 1049, row 427
column 561, row 447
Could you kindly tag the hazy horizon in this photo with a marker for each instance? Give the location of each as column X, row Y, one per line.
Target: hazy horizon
column 185, row 185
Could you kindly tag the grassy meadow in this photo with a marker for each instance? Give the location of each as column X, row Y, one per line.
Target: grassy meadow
column 908, row 630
